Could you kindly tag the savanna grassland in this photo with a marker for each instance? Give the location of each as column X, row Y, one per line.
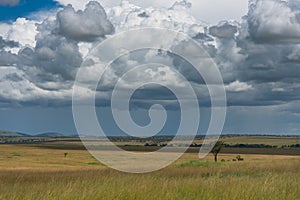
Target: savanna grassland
column 50, row 171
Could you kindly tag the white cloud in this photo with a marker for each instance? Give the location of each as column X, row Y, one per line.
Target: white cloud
column 4, row 28
column 211, row 11
column 80, row 5
column 23, row 31
column 177, row 17
column 238, row 86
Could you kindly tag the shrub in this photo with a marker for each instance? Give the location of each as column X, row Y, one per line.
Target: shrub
column 16, row 154
column 239, row 158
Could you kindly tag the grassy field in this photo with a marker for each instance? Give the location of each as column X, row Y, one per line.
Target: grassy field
column 268, row 140
column 32, row 172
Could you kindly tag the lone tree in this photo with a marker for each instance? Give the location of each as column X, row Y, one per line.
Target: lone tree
column 216, row 149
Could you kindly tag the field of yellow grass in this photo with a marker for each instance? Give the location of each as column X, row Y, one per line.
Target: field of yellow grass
column 28, row 172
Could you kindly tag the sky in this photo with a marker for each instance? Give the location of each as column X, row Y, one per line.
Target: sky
column 255, row 46
column 11, row 10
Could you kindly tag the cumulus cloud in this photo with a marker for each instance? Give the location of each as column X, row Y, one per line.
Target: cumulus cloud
column 44, row 56
column 23, row 31
column 258, row 58
column 56, row 55
column 274, row 21
column 86, row 25
column 127, row 16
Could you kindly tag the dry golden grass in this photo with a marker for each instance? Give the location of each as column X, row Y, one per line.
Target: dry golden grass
column 37, row 173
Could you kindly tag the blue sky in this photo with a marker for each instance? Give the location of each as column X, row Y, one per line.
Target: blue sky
column 25, row 8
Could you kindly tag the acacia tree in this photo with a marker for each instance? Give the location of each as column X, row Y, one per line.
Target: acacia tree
column 216, row 149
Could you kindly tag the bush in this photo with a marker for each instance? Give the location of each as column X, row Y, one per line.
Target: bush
column 239, row 158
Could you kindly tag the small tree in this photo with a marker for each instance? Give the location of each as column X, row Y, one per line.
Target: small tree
column 216, row 149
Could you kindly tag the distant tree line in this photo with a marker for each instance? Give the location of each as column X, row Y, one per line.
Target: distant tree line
column 17, row 140
column 291, row 146
column 233, row 145
column 241, row 145
column 252, row 146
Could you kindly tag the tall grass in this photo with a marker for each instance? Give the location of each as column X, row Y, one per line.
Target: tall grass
column 269, row 180
column 30, row 176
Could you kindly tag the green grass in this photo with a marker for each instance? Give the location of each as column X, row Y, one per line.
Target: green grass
column 95, row 163
column 17, row 153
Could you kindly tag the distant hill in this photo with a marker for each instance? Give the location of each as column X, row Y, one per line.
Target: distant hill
column 13, row 134
column 54, row 135
column 43, row 135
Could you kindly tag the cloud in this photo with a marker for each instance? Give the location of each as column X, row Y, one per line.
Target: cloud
column 258, row 57
column 17, row 90
column 223, row 30
column 238, row 86
column 274, row 21
column 86, row 25
column 46, row 54
column 9, row 2
column 8, row 43
column 23, row 31
column 56, row 55
column 177, row 17
column 8, row 59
